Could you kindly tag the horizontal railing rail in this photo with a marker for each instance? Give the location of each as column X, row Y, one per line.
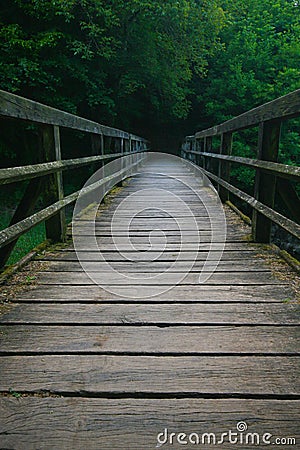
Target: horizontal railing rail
column 45, row 178
column 270, row 175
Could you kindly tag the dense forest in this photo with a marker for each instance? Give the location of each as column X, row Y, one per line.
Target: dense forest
column 160, row 69
column 154, row 67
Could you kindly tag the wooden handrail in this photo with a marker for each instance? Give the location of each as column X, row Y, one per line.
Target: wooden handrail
column 269, row 172
column 14, row 106
column 46, row 177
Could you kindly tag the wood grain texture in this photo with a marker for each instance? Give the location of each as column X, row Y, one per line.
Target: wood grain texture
column 96, row 375
column 206, row 293
column 149, row 339
column 149, row 279
column 164, row 313
column 114, row 424
column 104, row 371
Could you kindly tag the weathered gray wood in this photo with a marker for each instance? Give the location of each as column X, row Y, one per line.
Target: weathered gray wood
column 156, row 266
column 265, row 183
column 164, row 313
column 274, row 216
column 11, row 175
column 282, row 170
column 228, row 255
column 184, row 293
column 282, row 108
column 151, row 375
column 53, row 189
column 9, row 234
column 134, row 424
column 268, row 340
column 224, row 166
column 12, row 105
column 142, row 278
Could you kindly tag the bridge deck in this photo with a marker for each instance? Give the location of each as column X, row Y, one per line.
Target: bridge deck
column 100, row 368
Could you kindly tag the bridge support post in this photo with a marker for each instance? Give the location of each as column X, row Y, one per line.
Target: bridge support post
column 265, row 184
column 224, row 166
column 53, row 190
column 207, row 149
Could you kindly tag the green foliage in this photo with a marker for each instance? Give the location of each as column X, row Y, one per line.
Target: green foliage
column 100, row 58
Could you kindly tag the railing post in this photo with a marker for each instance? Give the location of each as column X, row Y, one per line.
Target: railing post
column 207, row 147
column 265, row 184
column 224, row 166
column 53, row 192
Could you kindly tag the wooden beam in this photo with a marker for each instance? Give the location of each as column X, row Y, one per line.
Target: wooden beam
column 53, row 190
column 281, row 170
column 282, row 108
column 13, row 232
column 17, row 107
column 13, row 174
column 265, row 183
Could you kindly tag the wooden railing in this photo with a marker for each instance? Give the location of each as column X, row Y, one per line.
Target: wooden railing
column 46, row 177
column 270, row 175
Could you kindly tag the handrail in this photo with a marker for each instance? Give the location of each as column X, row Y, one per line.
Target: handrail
column 269, row 173
column 46, row 177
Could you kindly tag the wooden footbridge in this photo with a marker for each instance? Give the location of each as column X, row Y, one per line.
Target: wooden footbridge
column 177, row 335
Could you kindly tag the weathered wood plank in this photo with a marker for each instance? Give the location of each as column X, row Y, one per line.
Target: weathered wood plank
column 150, row 339
column 141, row 314
column 156, row 266
column 204, row 293
column 151, row 375
column 228, row 255
column 149, row 279
column 134, row 424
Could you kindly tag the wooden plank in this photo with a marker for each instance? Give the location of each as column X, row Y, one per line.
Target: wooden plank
column 170, row 278
column 159, row 238
column 156, row 266
column 266, row 340
column 12, row 105
column 204, row 293
column 134, row 424
column 151, row 375
column 228, row 255
column 142, row 314
column 285, row 107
